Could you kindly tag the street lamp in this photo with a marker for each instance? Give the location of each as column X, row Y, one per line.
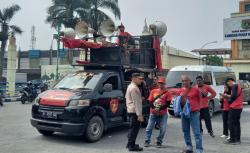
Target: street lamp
column 212, row 42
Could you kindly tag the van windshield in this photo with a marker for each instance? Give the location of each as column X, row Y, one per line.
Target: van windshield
column 80, row 80
column 174, row 77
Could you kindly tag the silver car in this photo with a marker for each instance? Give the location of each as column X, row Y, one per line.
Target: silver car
column 245, row 85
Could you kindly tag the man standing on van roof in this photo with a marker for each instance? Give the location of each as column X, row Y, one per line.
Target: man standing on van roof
column 191, row 94
column 207, row 93
column 134, row 109
column 235, row 100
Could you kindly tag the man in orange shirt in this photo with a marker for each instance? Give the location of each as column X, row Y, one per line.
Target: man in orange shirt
column 159, row 100
column 207, row 93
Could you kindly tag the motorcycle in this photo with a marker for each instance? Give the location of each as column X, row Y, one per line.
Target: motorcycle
column 28, row 94
column 43, row 87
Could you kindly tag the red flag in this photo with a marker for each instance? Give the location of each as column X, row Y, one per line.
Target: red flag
column 156, row 46
column 77, row 43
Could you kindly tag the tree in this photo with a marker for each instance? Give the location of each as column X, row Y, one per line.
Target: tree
column 68, row 12
column 213, row 60
column 63, row 11
column 6, row 30
column 96, row 15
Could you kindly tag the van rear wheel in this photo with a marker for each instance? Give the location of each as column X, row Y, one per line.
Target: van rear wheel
column 94, row 129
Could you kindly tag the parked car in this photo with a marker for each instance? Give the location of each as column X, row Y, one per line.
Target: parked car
column 245, row 85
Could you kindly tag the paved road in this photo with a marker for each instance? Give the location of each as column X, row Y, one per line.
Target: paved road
column 18, row 136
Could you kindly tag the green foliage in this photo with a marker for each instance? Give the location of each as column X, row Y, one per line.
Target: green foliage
column 6, row 16
column 68, row 12
column 213, row 60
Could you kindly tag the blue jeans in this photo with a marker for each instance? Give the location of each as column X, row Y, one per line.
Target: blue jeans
column 194, row 122
column 162, row 120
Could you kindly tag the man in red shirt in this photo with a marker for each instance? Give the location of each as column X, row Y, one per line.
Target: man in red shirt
column 207, row 93
column 159, row 100
column 235, row 100
column 123, row 36
column 192, row 94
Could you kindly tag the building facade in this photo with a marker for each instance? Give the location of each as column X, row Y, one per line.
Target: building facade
column 237, row 30
column 172, row 57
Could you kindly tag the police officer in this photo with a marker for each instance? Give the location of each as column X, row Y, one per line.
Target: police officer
column 134, row 109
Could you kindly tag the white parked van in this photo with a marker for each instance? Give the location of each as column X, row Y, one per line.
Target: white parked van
column 213, row 76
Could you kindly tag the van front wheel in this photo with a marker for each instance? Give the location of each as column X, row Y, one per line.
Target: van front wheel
column 94, row 129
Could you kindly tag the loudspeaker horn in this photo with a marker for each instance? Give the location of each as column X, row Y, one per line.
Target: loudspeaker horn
column 82, row 29
column 158, row 28
column 107, row 27
column 69, row 33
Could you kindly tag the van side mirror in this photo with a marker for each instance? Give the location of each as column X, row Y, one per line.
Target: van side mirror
column 106, row 88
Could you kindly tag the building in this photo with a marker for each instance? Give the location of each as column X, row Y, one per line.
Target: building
column 30, row 62
column 237, row 30
column 172, row 57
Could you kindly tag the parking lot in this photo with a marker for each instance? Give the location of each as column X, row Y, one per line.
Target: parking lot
column 18, row 136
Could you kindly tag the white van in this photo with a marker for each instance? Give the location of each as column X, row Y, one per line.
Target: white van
column 213, row 76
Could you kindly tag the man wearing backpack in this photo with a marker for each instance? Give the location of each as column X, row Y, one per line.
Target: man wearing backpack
column 159, row 100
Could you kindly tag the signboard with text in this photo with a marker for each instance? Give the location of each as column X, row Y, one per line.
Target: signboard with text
column 236, row 28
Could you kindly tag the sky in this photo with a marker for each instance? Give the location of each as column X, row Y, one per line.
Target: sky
column 191, row 23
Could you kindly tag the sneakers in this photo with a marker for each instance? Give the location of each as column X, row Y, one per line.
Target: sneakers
column 233, row 142
column 146, row 144
column 224, row 136
column 135, row 148
column 211, row 134
column 158, row 145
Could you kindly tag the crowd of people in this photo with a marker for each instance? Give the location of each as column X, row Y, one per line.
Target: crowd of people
column 193, row 105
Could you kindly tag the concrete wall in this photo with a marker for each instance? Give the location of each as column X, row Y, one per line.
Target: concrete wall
column 240, row 68
column 179, row 60
column 172, row 57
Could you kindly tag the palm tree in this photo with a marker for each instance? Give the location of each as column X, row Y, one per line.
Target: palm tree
column 96, row 15
column 68, row 12
column 63, row 12
column 6, row 29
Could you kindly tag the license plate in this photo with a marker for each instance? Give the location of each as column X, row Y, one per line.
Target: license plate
column 49, row 114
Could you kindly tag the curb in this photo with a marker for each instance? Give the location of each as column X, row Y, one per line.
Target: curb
column 11, row 99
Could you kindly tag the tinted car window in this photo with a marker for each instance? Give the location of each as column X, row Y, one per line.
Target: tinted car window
column 81, row 80
column 220, row 77
column 174, row 77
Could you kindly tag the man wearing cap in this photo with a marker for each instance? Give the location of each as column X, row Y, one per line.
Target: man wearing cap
column 123, row 36
column 122, row 31
column 134, row 109
column 159, row 100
